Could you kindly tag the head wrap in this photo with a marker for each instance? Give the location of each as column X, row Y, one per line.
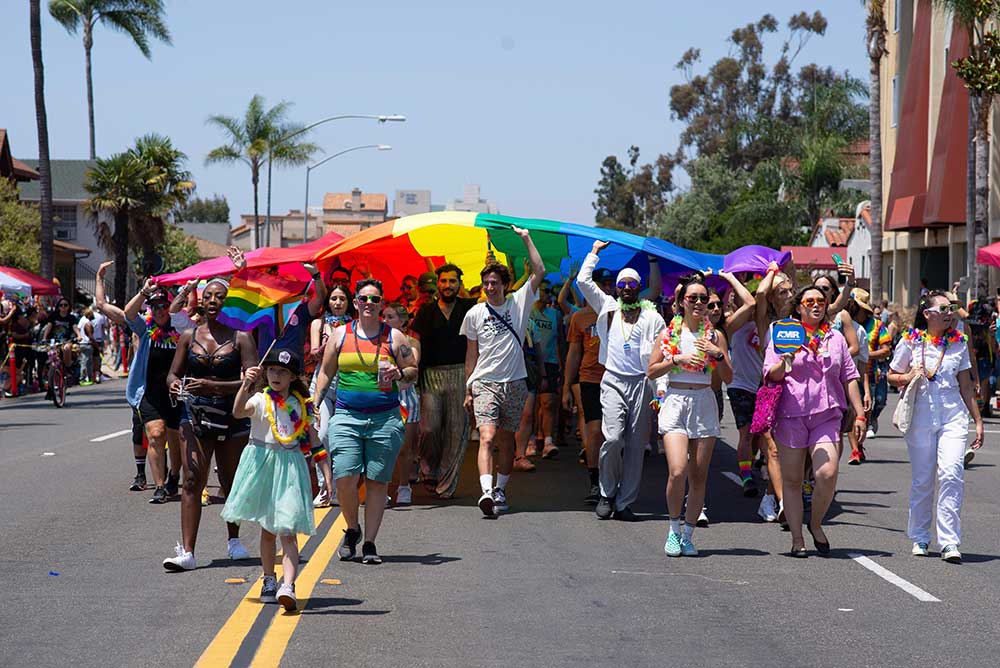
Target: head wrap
column 627, row 273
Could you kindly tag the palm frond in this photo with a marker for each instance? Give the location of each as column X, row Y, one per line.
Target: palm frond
column 67, row 13
column 141, row 21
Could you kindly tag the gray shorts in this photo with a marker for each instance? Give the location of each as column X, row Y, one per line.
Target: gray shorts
column 499, row 404
column 694, row 413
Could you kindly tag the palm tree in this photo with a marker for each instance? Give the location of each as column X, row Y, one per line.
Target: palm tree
column 875, row 29
column 248, row 140
column 42, row 123
column 139, row 19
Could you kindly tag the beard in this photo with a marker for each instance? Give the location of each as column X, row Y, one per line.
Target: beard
column 446, row 297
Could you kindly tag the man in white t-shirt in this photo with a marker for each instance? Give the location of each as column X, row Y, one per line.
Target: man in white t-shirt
column 495, row 374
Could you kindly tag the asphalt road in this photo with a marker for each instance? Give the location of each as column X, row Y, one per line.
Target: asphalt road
column 546, row 584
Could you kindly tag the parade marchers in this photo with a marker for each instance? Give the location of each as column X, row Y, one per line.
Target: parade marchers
column 356, row 383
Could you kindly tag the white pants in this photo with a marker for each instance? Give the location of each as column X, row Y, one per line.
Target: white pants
column 936, row 444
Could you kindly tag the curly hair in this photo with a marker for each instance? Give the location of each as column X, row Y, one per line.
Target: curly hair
column 502, row 272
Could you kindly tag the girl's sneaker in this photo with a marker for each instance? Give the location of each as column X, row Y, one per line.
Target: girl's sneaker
column 286, row 597
column 369, row 555
column 184, row 561
column 404, row 496
column 269, row 590
column 236, row 550
column 673, row 545
column 687, row 547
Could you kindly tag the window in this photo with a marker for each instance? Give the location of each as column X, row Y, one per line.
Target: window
column 897, row 7
column 895, row 100
column 64, row 223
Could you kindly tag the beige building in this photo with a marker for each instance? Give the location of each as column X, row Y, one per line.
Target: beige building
column 925, row 126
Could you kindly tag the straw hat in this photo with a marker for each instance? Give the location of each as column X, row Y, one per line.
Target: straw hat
column 861, row 297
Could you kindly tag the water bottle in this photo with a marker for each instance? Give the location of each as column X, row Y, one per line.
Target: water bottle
column 384, row 374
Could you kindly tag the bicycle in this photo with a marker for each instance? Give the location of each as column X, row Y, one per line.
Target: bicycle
column 56, row 375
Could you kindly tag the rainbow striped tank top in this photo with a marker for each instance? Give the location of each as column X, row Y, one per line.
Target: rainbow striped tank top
column 357, row 388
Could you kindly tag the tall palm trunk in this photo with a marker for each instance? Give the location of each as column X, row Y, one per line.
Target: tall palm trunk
column 120, row 240
column 970, row 197
column 875, row 174
column 255, row 172
column 981, row 287
column 42, row 123
column 88, row 44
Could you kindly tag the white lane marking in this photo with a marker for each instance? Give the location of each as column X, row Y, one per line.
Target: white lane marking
column 108, row 437
column 892, row 578
column 845, row 609
column 48, row 454
column 691, row 575
column 735, row 478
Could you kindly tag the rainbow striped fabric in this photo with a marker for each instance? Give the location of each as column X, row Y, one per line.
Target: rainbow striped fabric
column 252, row 297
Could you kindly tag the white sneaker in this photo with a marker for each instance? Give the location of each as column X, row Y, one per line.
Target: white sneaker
column 404, row 496
column 286, row 597
column 870, row 434
column 486, row 504
column 500, row 500
column 184, row 561
column 768, row 509
column 236, row 550
column 919, row 550
column 951, row 554
column 702, row 519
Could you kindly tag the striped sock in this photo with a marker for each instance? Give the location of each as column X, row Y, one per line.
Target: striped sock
column 745, row 473
column 140, row 465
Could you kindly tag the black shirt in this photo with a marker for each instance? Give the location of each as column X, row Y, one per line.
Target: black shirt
column 440, row 341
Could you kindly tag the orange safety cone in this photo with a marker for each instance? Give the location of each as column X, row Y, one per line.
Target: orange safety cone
column 13, row 370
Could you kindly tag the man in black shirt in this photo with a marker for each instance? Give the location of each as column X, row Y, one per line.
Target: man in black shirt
column 444, row 424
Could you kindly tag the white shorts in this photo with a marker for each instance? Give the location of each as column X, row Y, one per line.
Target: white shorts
column 694, row 413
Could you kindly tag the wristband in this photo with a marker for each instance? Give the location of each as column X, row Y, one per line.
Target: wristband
column 861, row 418
column 772, row 270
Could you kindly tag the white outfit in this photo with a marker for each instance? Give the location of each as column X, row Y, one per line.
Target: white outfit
column 692, row 412
column 501, row 358
column 936, row 440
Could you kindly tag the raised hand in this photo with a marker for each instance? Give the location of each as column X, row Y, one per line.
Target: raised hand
column 599, row 246
column 520, row 231
column 103, row 269
column 238, row 258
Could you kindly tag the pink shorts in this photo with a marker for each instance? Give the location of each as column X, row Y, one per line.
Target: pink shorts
column 808, row 430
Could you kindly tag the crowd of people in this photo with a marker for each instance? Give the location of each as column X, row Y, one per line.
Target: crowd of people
column 360, row 397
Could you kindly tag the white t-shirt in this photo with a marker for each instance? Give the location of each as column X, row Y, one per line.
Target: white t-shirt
column 260, row 427
column 100, row 324
column 500, row 357
column 82, row 327
column 625, row 346
column 746, row 355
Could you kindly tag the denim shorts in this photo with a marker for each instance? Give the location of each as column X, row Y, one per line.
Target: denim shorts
column 365, row 443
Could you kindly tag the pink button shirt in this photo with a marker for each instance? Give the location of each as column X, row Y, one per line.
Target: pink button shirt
column 816, row 381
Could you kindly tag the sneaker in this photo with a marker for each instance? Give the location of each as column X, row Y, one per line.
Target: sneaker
column 550, row 451
column 236, row 550
column 970, row 454
column 870, row 434
column 349, row 547
column 951, row 554
column 604, row 508
column 138, row 483
column 183, row 561
column 286, row 597
column 322, row 500
column 404, row 496
column 919, row 550
column 173, row 483
column 86, row 383
column 523, row 465
column 767, row 509
column 500, row 500
column 269, row 590
column 486, row 504
column 702, row 519
column 626, row 515
column 750, row 488
column 159, row 495
column 369, row 555
column 673, row 545
column 594, row 496
column 855, row 458
column 532, row 449
column 687, row 547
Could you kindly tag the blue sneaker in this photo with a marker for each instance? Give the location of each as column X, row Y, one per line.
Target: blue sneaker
column 951, row 554
column 687, row 547
column 673, row 545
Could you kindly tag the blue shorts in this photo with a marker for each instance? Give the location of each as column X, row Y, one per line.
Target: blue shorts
column 365, row 443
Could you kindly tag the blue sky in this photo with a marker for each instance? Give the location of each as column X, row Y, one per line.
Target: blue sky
column 524, row 98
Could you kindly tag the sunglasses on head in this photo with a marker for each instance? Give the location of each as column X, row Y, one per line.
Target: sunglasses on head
column 369, row 299
column 696, row 299
column 627, row 284
column 810, row 302
column 949, row 308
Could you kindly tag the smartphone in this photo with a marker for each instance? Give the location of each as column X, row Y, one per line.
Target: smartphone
column 838, row 259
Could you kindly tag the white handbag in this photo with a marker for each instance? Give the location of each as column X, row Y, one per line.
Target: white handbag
column 902, row 417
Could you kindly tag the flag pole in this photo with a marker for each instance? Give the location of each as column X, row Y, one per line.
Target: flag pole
column 285, row 323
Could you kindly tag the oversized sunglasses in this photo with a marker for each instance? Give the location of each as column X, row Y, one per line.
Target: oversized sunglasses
column 943, row 310
column 627, row 284
column 696, row 299
column 369, row 299
column 810, row 302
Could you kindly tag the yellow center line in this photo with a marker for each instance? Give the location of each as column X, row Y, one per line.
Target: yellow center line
column 223, row 648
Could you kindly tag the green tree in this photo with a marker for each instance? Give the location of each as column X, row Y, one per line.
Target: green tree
column 178, row 250
column 204, row 210
column 20, row 230
column 248, row 139
column 42, row 125
column 139, row 19
column 631, row 199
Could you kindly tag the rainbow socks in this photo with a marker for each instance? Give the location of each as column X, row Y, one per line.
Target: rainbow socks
column 745, row 473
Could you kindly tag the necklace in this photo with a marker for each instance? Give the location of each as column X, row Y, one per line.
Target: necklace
column 357, row 348
column 671, row 345
column 644, row 304
column 940, row 341
column 300, row 422
column 815, row 336
column 158, row 335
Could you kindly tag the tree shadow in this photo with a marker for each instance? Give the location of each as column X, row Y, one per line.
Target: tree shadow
column 433, row 559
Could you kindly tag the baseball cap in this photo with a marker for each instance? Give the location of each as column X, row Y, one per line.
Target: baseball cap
column 602, row 275
column 284, row 357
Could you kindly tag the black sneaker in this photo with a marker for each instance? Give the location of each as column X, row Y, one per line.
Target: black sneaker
column 749, row 488
column 349, row 547
column 604, row 508
column 138, row 484
column 173, row 483
column 159, row 495
column 626, row 515
column 369, row 555
column 594, row 496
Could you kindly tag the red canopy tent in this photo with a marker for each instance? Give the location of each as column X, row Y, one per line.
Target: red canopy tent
column 39, row 286
column 986, row 255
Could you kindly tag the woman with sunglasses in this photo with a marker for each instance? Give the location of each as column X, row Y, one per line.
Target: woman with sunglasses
column 819, row 382
column 60, row 329
column 369, row 360
column 939, row 426
column 836, row 298
column 693, row 352
column 204, row 377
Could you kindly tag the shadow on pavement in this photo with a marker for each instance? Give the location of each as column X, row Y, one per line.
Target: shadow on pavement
column 434, row 559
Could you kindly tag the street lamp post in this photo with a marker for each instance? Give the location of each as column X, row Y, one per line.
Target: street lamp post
column 305, row 209
column 381, row 118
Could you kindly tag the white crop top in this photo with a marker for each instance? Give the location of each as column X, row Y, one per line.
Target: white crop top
column 682, row 375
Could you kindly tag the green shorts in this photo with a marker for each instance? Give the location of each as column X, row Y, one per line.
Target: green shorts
column 365, row 443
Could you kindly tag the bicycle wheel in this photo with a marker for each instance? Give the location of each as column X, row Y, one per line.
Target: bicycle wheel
column 57, row 385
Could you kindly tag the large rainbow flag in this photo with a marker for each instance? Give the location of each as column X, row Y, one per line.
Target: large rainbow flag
column 252, row 296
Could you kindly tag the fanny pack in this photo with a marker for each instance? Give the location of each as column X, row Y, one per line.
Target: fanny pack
column 208, row 421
